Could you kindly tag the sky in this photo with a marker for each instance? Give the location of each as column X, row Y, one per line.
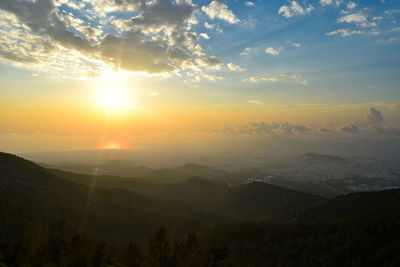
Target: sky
column 135, row 73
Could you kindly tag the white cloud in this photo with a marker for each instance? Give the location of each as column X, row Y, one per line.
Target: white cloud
column 263, row 78
column 325, row 2
column 351, row 5
column 345, row 32
column 234, row 67
column 245, row 51
column 208, row 25
column 256, row 102
column 272, row 51
column 220, row 10
column 212, row 77
column 204, row 35
column 296, row 44
column 248, row 3
column 294, row 9
column 296, row 78
column 357, row 18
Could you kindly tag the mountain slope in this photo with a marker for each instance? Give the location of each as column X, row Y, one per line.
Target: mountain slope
column 261, row 201
column 30, row 193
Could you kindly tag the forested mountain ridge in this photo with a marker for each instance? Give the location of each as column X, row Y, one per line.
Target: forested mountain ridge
column 52, row 221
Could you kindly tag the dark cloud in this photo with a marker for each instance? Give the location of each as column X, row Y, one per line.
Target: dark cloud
column 210, row 62
column 266, row 128
column 41, row 17
column 124, row 4
column 350, row 128
column 133, row 49
column 374, row 117
column 163, row 13
column 133, row 55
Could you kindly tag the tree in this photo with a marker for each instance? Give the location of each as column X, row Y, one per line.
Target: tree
column 159, row 249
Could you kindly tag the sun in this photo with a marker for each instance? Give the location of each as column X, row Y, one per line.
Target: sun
column 111, row 144
column 112, row 98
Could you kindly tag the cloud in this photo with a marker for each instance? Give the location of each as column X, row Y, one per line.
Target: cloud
column 345, row 32
column 157, row 39
column 162, row 14
column 325, row 2
column 272, row 51
column 248, row 3
column 294, row 9
column 204, row 35
column 276, row 78
column 263, row 78
column 374, row 117
column 115, row 5
column 351, row 5
column 209, row 26
column 349, row 128
column 256, row 102
column 296, row 45
column 234, row 67
column 377, row 18
column 210, row 62
column 357, row 18
column 220, row 10
column 41, row 17
column 267, row 128
column 302, row 82
column 212, row 77
column 246, row 51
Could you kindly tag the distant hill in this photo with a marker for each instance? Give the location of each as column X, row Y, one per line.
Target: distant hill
column 261, row 201
column 193, row 169
column 30, row 194
column 112, row 167
column 359, row 229
column 322, row 157
column 127, row 169
column 359, row 206
column 84, row 200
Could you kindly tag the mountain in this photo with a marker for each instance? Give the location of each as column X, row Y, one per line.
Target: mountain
column 359, row 229
column 358, row 206
column 254, row 201
column 31, row 194
column 124, row 168
column 45, row 213
column 183, row 172
column 261, row 201
column 194, row 190
column 112, row 167
column 133, row 205
column 321, row 157
column 193, row 169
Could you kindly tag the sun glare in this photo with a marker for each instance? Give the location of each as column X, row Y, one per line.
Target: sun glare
column 113, row 98
column 111, row 144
